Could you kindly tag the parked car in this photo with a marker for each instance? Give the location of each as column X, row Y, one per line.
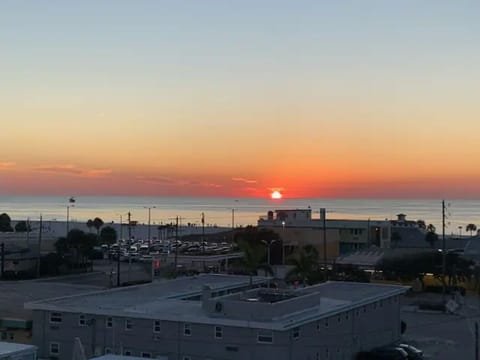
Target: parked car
column 412, row 351
column 388, row 353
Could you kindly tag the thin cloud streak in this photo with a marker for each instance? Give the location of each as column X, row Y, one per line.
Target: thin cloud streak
column 5, row 165
column 165, row 180
column 244, row 180
column 68, row 169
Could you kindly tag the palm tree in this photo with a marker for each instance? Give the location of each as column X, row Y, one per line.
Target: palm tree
column 90, row 225
column 305, row 264
column 97, row 224
column 431, row 237
column 421, row 224
column 471, row 228
column 253, row 258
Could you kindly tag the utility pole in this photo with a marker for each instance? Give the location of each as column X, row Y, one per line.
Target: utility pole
column 324, row 218
column 203, row 233
column 121, row 229
column 176, row 245
column 444, row 255
column 129, row 228
column 203, row 241
column 72, row 202
column 149, row 218
column 68, row 220
column 28, row 232
column 2, row 259
column 476, row 340
column 39, row 257
column 118, row 265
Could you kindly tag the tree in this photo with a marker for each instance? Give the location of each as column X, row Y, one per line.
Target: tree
column 431, row 237
column 108, row 235
column 253, row 258
column 421, row 224
column 90, row 225
column 22, row 226
column 97, row 224
column 471, row 228
column 5, row 225
column 77, row 246
column 411, row 266
column 395, row 238
column 256, row 236
column 305, row 262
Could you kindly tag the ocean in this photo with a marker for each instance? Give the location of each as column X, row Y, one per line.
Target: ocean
column 246, row 211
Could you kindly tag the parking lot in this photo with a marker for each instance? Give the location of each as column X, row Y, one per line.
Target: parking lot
column 443, row 336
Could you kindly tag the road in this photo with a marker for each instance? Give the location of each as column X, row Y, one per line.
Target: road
column 105, row 274
column 444, row 336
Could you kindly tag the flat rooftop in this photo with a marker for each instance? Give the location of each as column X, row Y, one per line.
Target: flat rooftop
column 121, row 301
column 13, row 348
column 179, row 301
column 13, row 294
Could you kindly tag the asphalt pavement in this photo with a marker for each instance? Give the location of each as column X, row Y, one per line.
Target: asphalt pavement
column 443, row 336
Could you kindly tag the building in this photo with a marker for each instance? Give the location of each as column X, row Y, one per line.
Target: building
column 221, row 317
column 11, row 351
column 298, row 228
column 15, row 320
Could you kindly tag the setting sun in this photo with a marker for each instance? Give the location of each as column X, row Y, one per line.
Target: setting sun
column 276, row 195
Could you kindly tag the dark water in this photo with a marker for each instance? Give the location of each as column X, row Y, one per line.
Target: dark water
column 246, row 210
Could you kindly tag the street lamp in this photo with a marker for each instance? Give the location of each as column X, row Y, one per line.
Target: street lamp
column 149, row 218
column 268, row 244
column 71, row 203
column 283, row 242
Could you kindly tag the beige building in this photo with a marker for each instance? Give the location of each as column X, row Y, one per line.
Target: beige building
column 297, row 228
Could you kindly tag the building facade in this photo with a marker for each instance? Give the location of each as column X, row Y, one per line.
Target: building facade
column 219, row 317
column 298, row 228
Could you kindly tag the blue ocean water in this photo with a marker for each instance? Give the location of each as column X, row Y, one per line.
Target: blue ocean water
column 218, row 211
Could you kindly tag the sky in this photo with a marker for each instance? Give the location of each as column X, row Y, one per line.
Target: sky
column 340, row 99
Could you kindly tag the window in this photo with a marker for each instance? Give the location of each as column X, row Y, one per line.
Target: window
column 187, row 358
column 187, row 329
column 296, row 333
column 3, row 335
column 11, row 336
column 82, row 320
column 55, row 317
column 128, row 324
column 108, row 350
column 109, row 322
column 218, row 332
column 146, row 355
column 265, row 336
column 127, row 353
column 54, row 348
column 156, row 326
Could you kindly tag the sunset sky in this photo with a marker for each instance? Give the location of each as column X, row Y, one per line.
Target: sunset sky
column 240, row 98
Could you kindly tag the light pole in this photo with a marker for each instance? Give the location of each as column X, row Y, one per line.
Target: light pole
column 283, row 242
column 460, row 231
column 268, row 244
column 71, row 203
column 149, row 218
